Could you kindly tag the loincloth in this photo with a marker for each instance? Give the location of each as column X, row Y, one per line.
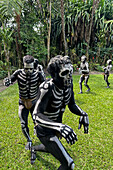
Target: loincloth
column 28, row 102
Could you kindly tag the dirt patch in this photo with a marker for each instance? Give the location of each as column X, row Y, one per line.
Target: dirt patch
column 2, row 87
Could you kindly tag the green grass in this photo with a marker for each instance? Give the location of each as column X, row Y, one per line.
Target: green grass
column 93, row 151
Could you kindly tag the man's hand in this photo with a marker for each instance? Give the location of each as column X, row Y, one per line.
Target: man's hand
column 7, row 82
column 84, row 120
column 68, row 134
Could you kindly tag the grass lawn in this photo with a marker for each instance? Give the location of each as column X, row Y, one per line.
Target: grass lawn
column 93, row 151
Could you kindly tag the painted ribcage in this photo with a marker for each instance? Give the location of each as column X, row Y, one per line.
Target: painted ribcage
column 28, row 87
column 58, row 103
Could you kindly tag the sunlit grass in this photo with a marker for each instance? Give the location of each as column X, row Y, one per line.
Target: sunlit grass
column 91, row 152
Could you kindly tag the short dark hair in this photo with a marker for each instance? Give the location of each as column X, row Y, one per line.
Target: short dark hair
column 28, row 59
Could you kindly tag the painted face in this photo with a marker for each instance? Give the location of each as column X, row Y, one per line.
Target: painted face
column 28, row 68
column 83, row 59
column 65, row 73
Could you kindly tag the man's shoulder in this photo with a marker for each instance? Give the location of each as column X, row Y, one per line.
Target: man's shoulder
column 47, row 84
column 18, row 71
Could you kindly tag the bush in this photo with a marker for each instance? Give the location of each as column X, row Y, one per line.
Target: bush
column 76, row 66
column 3, row 74
column 96, row 67
column 4, row 70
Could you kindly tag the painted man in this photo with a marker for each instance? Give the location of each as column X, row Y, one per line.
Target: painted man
column 106, row 72
column 28, row 80
column 84, row 71
column 53, row 96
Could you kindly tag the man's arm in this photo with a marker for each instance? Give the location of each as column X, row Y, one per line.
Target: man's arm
column 109, row 67
column 12, row 79
column 74, row 108
column 42, row 77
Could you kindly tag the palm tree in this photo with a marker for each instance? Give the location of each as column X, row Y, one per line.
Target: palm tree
column 6, row 35
column 13, row 9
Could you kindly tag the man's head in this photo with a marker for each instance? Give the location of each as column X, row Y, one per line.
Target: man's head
column 109, row 62
column 83, row 59
column 61, row 69
column 28, row 62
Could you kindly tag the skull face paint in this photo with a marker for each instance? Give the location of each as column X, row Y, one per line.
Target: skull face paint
column 83, row 59
column 28, row 68
column 65, row 73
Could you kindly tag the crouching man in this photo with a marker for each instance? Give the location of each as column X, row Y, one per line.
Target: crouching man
column 53, row 96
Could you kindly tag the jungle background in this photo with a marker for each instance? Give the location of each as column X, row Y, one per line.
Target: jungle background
column 44, row 29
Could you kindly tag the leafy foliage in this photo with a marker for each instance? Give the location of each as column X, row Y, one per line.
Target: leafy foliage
column 29, row 21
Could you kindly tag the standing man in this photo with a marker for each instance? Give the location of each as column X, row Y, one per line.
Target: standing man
column 84, row 70
column 28, row 80
column 106, row 71
column 54, row 94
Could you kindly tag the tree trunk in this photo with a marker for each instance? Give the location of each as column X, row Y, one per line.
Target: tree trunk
column 7, row 55
column 94, row 7
column 19, row 51
column 63, row 27
column 49, row 33
column 40, row 6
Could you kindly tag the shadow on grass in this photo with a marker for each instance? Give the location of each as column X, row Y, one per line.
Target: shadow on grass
column 79, row 101
column 105, row 87
column 91, row 92
column 46, row 163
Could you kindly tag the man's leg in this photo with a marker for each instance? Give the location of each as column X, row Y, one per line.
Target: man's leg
column 86, row 81
column 107, row 82
column 80, row 83
column 23, row 115
column 31, row 111
column 106, row 79
column 34, row 149
column 55, row 147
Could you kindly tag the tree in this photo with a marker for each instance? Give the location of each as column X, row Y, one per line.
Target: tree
column 13, row 9
column 6, row 35
column 94, row 7
column 63, row 27
column 49, row 31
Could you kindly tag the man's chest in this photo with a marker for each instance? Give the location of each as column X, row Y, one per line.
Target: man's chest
column 28, row 82
column 60, row 97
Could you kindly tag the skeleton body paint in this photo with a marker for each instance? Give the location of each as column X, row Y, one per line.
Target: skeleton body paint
column 54, row 94
column 84, row 71
column 106, row 72
column 28, row 81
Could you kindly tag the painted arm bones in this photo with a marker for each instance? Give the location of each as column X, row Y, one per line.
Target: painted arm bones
column 83, row 120
column 65, row 131
column 8, row 81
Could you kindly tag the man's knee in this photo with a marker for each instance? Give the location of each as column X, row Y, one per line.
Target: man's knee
column 67, row 163
column 72, row 165
column 67, row 166
column 80, row 82
column 85, row 84
column 23, row 126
